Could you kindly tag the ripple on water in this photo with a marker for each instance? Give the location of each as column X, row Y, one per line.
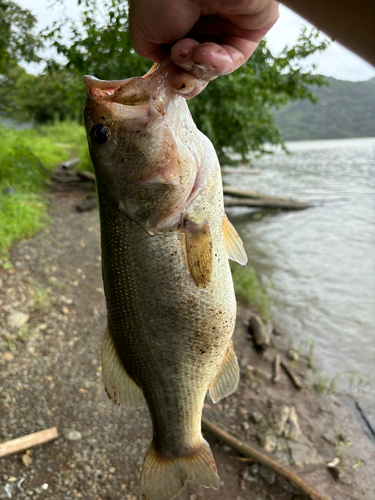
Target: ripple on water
column 321, row 261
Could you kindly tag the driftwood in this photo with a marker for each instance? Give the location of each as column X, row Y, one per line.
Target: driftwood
column 243, row 197
column 276, row 369
column 84, row 175
column 88, row 204
column 262, row 458
column 25, row 442
column 265, row 203
column 67, row 165
column 293, row 377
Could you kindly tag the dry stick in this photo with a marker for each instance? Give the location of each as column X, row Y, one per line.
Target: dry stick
column 293, row 377
column 25, row 442
column 263, row 459
column 276, row 369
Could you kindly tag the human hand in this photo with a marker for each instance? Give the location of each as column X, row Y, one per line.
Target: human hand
column 205, row 38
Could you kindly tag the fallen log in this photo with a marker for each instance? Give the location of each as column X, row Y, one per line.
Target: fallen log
column 26, row 442
column 68, row 164
column 85, row 175
column 262, row 458
column 284, row 204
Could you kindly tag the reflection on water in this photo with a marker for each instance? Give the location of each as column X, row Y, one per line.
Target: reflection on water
column 321, row 261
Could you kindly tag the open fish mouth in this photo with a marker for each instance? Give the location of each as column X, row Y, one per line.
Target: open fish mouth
column 152, row 88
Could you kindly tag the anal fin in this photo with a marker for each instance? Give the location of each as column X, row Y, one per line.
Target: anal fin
column 162, row 478
column 227, row 378
column 119, row 386
column 233, row 243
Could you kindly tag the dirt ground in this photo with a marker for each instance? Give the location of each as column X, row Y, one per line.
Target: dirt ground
column 50, row 376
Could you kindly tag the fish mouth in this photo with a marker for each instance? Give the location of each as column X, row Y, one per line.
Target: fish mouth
column 154, row 88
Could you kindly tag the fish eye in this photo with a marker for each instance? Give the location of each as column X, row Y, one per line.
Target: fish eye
column 100, row 134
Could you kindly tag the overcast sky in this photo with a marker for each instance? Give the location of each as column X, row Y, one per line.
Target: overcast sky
column 336, row 61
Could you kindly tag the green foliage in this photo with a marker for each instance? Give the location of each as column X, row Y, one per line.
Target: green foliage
column 249, row 290
column 235, row 111
column 100, row 44
column 17, row 38
column 54, row 96
column 344, row 109
column 24, row 156
column 21, row 215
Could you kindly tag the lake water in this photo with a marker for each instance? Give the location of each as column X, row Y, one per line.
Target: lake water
column 320, row 261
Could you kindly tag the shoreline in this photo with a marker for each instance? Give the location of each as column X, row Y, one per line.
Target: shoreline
column 50, row 375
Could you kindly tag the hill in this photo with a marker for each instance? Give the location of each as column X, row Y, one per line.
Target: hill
column 344, row 109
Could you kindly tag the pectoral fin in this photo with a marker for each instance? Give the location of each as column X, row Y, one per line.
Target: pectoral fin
column 227, row 379
column 233, row 243
column 119, row 386
column 199, row 252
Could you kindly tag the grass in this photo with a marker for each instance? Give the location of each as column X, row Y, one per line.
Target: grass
column 25, row 156
column 249, row 289
column 328, row 385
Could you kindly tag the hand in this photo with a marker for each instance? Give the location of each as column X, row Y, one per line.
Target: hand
column 206, row 38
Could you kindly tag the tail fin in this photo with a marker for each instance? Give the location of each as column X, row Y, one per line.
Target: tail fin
column 162, row 478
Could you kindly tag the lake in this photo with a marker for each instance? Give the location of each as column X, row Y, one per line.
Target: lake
column 320, row 261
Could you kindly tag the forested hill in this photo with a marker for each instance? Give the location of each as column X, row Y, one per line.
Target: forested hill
column 344, row 109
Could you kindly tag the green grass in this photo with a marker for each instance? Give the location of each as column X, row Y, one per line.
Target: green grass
column 25, row 155
column 249, row 289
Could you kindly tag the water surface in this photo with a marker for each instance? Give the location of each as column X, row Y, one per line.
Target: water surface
column 320, row 261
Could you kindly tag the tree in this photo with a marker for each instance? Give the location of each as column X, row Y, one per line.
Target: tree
column 234, row 111
column 17, row 40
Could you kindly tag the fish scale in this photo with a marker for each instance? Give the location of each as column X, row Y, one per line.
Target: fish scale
column 165, row 247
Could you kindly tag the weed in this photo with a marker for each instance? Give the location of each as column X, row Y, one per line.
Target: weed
column 41, row 299
column 24, row 333
column 358, row 464
column 250, row 290
column 9, row 343
column 327, row 385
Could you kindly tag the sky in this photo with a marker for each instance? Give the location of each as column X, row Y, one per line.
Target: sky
column 336, row 61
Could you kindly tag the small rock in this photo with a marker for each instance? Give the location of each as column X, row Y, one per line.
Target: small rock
column 40, row 422
column 18, row 319
column 259, row 332
column 267, row 474
column 73, row 435
column 277, row 330
column 26, row 460
column 64, row 310
column 8, row 356
column 256, row 417
column 45, row 486
column 193, row 496
column 269, row 443
column 245, row 426
column 293, row 355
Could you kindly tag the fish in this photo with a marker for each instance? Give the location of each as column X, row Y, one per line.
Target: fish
column 165, row 243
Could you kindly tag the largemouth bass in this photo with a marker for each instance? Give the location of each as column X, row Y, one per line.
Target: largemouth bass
column 165, row 245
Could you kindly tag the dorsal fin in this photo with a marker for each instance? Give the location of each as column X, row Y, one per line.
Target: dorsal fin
column 233, row 243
